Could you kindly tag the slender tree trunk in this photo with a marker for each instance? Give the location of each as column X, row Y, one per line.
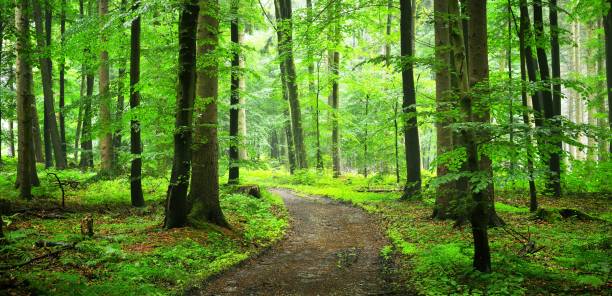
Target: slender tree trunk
column 38, row 143
column 607, row 22
column 204, row 193
column 136, row 195
column 242, row 115
column 533, row 202
column 479, row 73
column 602, row 142
column 274, row 149
column 285, row 40
column 26, row 167
column 177, row 208
column 105, row 135
column 365, row 138
column 396, row 140
column 318, row 120
column 281, row 36
column 11, row 132
column 1, row 43
column 77, row 134
column 53, row 143
column 555, row 157
column 411, row 128
column 62, row 66
column 334, row 36
column 87, row 136
column 234, row 156
column 444, row 139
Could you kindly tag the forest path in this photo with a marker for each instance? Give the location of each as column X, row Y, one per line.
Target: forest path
column 331, row 249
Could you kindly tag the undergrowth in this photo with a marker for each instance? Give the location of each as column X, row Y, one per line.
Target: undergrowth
column 130, row 254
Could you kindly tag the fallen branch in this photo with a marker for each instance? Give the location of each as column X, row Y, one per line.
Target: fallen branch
column 31, row 260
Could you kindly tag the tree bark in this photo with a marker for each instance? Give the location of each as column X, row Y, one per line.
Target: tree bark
column 234, row 155
column 176, row 207
column 204, row 195
column 553, row 184
column 62, row 70
column 86, row 137
column 105, row 136
column 607, row 22
column 444, row 139
column 26, row 167
column 285, row 43
column 53, row 143
column 411, row 128
column 479, row 74
column 334, row 36
column 136, row 195
column 533, row 201
column 555, row 157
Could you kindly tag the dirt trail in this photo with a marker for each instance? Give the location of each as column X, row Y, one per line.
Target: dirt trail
column 331, row 249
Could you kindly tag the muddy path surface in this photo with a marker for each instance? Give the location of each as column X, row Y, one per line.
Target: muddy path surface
column 331, row 249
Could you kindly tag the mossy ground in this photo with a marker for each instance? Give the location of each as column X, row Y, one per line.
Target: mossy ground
column 434, row 258
column 130, row 254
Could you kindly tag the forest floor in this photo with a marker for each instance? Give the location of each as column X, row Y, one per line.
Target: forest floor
column 332, row 248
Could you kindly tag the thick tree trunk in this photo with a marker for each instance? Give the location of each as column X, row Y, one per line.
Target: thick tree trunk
column 53, row 142
column 176, row 207
column 285, row 44
column 479, row 73
column 26, row 167
column 411, row 128
column 204, row 195
column 105, row 135
column 136, row 194
column 234, row 155
column 444, row 139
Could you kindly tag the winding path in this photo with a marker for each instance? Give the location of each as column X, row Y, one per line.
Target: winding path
column 331, row 249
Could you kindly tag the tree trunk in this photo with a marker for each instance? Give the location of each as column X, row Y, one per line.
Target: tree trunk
column 285, row 44
column 607, row 22
column 136, row 194
column 38, row 144
column 234, row 155
column 86, row 137
column 533, row 202
column 411, row 128
column 242, row 116
column 1, row 43
column 365, row 138
column 11, row 132
column 62, row 66
column 26, row 167
column 204, row 195
column 177, row 208
column 77, row 134
column 53, row 143
column 444, row 139
column 281, row 36
column 479, row 73
column 105, row 136
column 555, row 157
column 334, row 98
